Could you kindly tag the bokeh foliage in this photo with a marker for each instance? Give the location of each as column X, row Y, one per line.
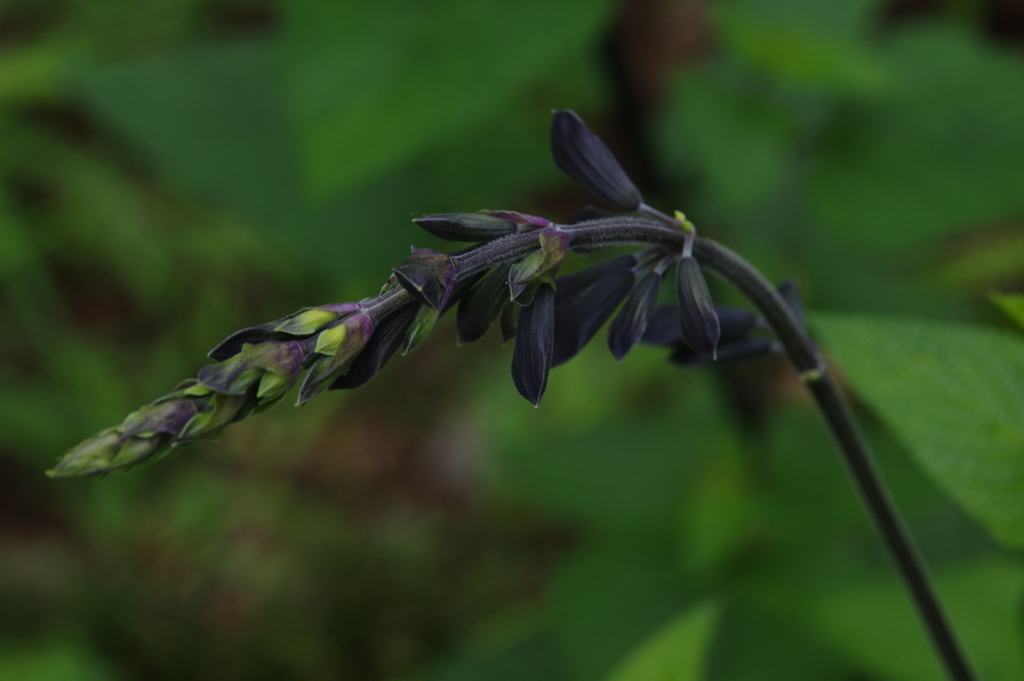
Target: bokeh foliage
column 175, row 170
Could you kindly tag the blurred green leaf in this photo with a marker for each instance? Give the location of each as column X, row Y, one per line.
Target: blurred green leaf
column 604, row 602
column 941, row 152
column 719, row 513
column 833, row 20
column 211, row 118
column 1010, row 303
column 509, row 649
column 751, row 645
column 955, row 396
column 676, row 653
column 992, row 261
column 15, row 248
column 806, row 43
column 52, row 661
column 374, row 83
column 874, row 624
column 593, row 454
column 741, row 146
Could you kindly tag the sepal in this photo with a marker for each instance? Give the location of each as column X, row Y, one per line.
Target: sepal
column 664, row 327
column 733, row 351
column 422, row 325
column 539, row 267
column 585, row 300
column 581, row 155
column 428, row 276
column 531, row 357
column 698, row 321
column 482, row 304
column 509, row 320
column 630, row 323
column 344, row 343
column 235, row 375
column 387, row 338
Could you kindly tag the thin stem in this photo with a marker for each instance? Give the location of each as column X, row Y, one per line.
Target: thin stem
column 812, row 370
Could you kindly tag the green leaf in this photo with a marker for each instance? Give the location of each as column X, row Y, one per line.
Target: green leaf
column 607, row 600
column 806, row 44
column 375, row 83
column 954, row 395
column 1010, row 303
column 212, row 118
column 740, row 145
column 940, row 152
column 676, row 653
column 874, row 624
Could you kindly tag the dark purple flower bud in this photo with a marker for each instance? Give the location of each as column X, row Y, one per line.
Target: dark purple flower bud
column 531, row 357
column 664, row 327
column 733, row 351
column 509, row 320
column 305, row 322
column 791, row 294
column 629, row 325
column 540, row 267
column 387, row 338
column 523, row 221
column 482, row 304
column 467, row 226
column 235, row 375
column 698, row 320
column 428, row 276
column 581, row 155
column 585, row 300
column 336, row 350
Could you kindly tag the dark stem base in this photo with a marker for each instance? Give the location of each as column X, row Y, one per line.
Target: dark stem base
column 812, row 370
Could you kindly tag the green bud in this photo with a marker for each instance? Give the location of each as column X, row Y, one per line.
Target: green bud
column 272, row 387
column 328, row 342
column 421, row 326
column 342, row 345
column 236, row 374
column 220, row 410
column 137, row 449
column 540, row 267
column 90, row 457
column 307, row 322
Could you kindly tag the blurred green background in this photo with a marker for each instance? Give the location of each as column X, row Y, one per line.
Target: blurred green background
column 175, row 169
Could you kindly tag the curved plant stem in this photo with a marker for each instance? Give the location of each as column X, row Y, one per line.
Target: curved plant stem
column 813, row 371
